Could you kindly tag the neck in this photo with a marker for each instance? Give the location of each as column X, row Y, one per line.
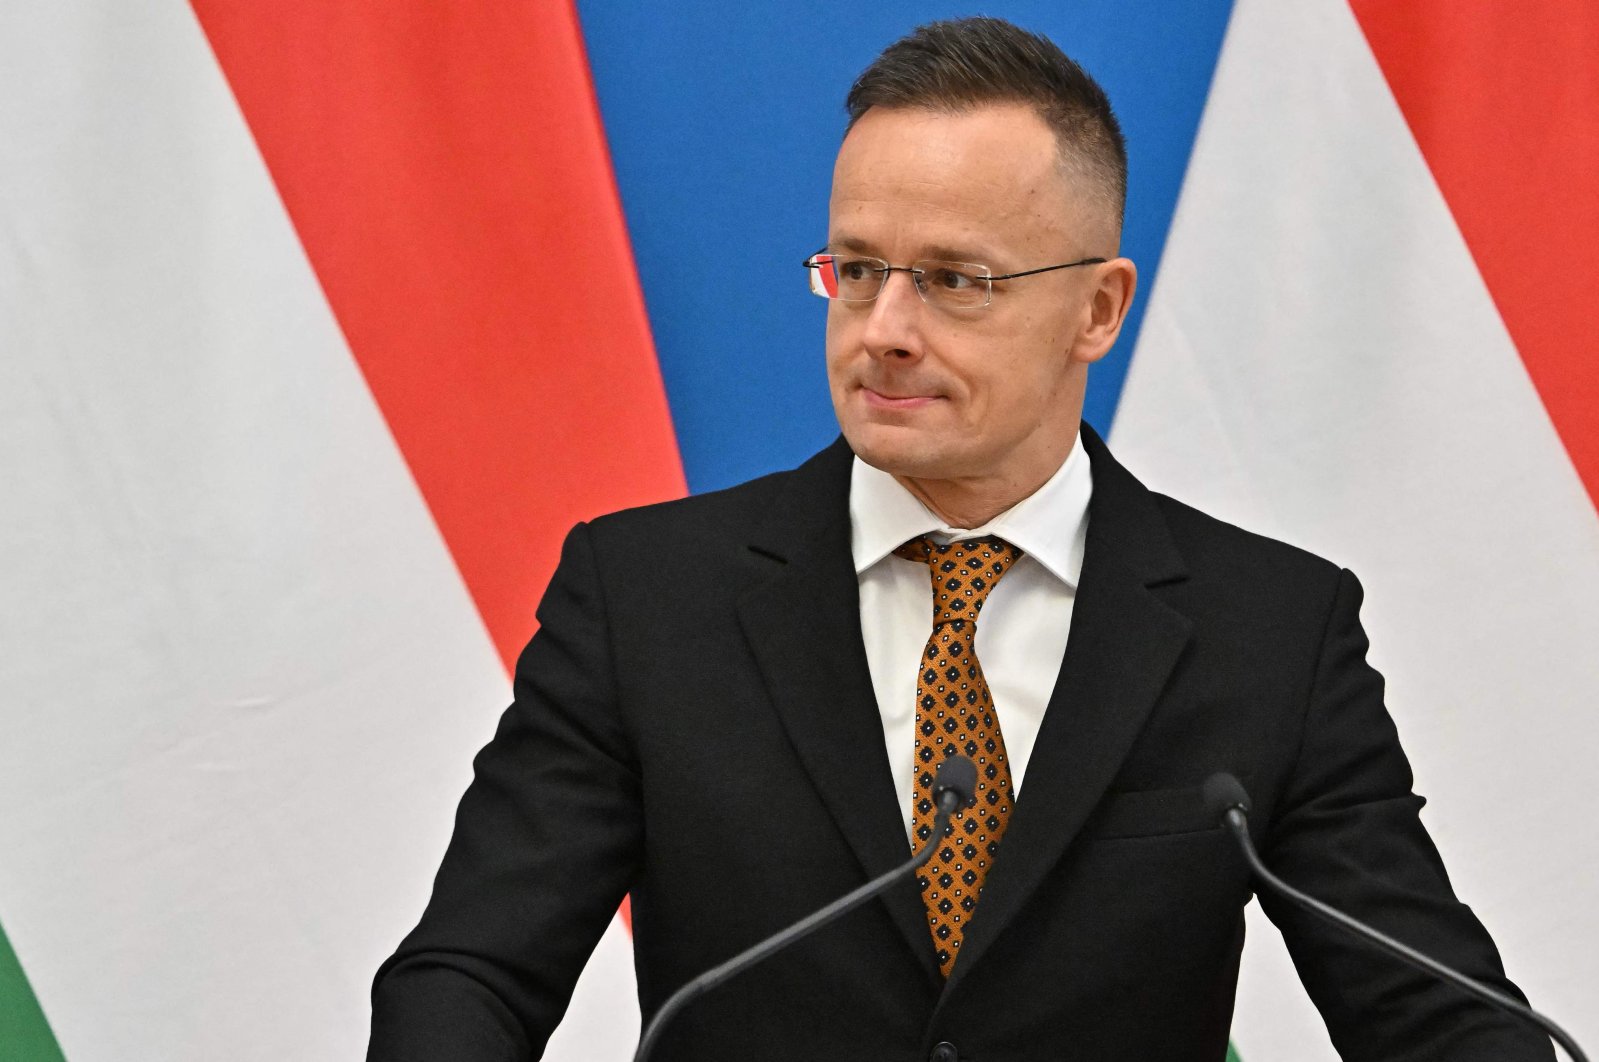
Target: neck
column 970, row 502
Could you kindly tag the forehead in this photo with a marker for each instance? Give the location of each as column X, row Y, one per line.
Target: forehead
column 909, row 178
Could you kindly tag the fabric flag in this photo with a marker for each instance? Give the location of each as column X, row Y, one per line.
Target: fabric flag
column 305, row 380
column 1372, row 336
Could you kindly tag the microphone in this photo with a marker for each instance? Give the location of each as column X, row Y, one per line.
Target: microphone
column 954, row 787
column 1227, row 801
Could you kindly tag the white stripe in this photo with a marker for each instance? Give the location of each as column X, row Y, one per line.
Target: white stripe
column 1321, row 362
column 242, row 680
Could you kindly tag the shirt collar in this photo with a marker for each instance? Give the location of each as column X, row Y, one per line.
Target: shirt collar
column 1050, row 525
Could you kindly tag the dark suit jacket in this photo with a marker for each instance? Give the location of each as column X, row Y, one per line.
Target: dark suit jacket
column 694, row 723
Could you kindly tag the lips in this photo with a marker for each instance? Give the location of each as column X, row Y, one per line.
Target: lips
column 895, row 401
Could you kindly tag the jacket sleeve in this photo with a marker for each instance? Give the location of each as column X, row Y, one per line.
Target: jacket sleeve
column 547, row 842
column 1347, row 830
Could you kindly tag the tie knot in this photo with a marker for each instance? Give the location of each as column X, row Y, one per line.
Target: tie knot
column 964, row 572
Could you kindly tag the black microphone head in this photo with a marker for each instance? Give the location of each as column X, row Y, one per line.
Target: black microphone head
column 957, row 775
column 1223, row 792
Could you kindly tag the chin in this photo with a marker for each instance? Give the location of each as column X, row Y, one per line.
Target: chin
column 900, row 451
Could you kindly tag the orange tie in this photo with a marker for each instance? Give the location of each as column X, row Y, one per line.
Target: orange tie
column 955, row 716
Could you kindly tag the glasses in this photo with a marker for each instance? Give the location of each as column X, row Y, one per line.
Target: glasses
column 947, row 285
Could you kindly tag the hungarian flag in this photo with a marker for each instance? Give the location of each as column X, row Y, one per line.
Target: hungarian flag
column 1373, row 334
column 320, row 324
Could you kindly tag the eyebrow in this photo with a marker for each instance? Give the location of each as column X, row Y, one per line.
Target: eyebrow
column 960, row 254
column 938, row 252
column 848, row 243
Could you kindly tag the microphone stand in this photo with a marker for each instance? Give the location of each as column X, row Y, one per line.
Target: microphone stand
column 1238, row 823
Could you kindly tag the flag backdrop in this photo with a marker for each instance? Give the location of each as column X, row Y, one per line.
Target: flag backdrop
column 320, row 324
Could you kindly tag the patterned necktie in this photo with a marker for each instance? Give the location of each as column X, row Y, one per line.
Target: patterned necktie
column 955, row 716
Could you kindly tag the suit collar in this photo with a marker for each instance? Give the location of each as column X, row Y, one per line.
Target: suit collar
column 812, row 512
column 1130, row 525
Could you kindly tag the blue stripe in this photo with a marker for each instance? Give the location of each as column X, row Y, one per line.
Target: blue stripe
column 723, row 121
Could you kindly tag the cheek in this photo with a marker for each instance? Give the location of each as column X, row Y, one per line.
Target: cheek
column 1040, row 332
column 838, row 346
column 1040, row 353
column 1017, row 381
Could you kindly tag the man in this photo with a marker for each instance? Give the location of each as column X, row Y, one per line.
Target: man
column 735, row 702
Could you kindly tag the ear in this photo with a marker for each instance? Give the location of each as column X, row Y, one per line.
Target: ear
column 1114, row 284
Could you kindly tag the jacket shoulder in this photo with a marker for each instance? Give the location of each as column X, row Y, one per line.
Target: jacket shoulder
column 714, row 513
column 1219, row 550
column 734, row 515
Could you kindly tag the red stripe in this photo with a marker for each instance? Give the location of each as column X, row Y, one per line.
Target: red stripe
column 446, row 170
column 829, row 276
column 1503, row 99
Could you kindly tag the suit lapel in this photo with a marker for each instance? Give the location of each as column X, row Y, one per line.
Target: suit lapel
column 803, row 627
column 1124, row 642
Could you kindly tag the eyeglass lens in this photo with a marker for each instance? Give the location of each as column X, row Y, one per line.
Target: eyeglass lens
column 857, row 278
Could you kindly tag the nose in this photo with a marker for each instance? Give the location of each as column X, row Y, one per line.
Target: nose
column 893, row 324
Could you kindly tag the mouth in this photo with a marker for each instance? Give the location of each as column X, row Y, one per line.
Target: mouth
column 898, row 402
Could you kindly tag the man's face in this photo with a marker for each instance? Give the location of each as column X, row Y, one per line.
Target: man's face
column 928, row 393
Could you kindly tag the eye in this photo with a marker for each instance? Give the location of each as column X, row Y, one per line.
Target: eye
column 855, row 268
column 950, row 278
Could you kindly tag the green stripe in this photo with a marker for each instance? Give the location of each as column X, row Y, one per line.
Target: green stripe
column 1233, row 1055
column 23, row 1030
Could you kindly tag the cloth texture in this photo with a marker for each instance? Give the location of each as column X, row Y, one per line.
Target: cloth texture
column 694, row 723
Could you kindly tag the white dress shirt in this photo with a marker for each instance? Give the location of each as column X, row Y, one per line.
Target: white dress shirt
column 1021, row 635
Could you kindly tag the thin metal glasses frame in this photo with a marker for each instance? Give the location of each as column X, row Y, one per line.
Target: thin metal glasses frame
column 981, row 272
